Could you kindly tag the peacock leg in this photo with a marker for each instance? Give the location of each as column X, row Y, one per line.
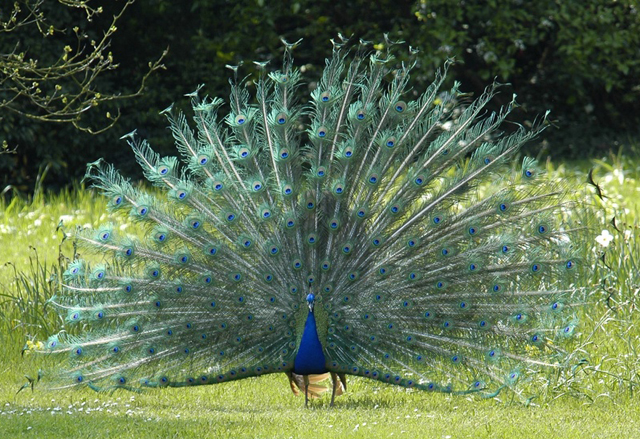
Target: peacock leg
column 334, row 380
column 294, row 383
column 306, row 390
column 343, row 380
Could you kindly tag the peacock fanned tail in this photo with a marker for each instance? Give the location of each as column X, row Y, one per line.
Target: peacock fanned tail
column 393, row 223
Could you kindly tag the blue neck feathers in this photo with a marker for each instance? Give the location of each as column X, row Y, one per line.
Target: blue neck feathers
column 310, row 358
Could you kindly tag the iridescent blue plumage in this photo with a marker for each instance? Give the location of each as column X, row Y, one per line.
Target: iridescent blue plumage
column 310, row 357
column 436, row 262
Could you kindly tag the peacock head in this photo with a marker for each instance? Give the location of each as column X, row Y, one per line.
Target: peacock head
column 311, row 298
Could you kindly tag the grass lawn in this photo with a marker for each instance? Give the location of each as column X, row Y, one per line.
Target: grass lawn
column 265, row 408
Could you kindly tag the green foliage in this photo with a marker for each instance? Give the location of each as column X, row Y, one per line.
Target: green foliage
column 24, row 311
column 58, row 83
column 618, row 242
column 56, row 71
column 577, row 58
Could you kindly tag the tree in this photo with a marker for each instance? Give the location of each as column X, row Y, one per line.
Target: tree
column 50, row 71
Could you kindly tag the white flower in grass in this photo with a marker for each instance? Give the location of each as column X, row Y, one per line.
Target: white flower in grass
column 66, row 218
column 617, row 173
column 604, row 238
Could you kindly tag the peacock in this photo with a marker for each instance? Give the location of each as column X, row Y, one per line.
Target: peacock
column 368, row 230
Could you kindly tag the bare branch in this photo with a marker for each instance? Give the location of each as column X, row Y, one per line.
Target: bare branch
column 65, row 89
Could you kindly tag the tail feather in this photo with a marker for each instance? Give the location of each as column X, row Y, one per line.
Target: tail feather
column 436, row 263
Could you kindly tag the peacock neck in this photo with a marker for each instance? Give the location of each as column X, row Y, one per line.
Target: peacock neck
column 310, row 357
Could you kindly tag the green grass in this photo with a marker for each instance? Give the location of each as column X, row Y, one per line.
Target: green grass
column 264, row 408
column 595, row 399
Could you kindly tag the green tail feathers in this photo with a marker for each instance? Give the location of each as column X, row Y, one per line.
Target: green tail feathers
column 436, row 261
